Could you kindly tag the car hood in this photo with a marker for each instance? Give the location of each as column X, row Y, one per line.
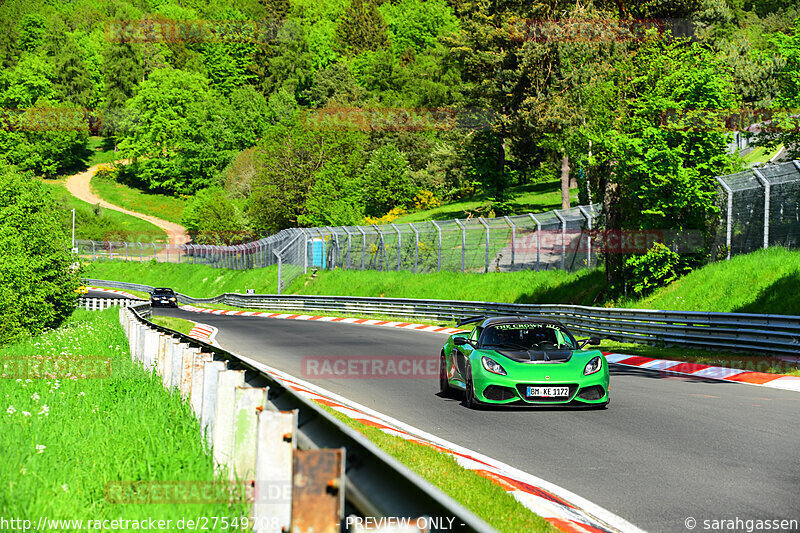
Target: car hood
column 537, row 356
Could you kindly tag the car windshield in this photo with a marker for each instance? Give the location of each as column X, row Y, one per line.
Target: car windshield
column 163, row 291
column 527, row 336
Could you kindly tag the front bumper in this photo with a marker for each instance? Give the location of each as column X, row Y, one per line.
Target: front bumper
column 163, row 303
column 495, row 389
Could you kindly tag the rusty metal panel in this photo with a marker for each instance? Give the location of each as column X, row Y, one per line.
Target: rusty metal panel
column 318, row 491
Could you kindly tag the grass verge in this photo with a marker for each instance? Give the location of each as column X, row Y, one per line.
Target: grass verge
column 765, row 281
column 63, row 441
column 481, row 496
column 157, row 205
column 176, row 324
column 200, row 281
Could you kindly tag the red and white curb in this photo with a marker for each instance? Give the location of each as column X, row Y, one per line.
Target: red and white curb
column 344, row 320
column 114, row 291
column 699, row 370
column 205, row 333
column 565, row 510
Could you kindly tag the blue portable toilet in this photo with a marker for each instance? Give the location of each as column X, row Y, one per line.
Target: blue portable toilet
column 316, row 253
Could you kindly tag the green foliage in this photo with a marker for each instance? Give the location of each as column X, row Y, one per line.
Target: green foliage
column 387, row 183
column 294, row 165
column 657, row 267
column 362, row 27
column 417, row 26
column 212, row 218
column 36, row 282
column 46, row 138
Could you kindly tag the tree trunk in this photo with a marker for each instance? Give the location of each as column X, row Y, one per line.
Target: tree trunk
column 613, row 257
column 565, row 182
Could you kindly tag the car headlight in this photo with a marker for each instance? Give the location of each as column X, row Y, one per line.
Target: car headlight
column 492, row 366
column 593, row 366
column 172, row 299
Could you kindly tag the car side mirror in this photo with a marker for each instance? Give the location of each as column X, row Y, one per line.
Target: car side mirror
column 461, row 341
column 594, row 340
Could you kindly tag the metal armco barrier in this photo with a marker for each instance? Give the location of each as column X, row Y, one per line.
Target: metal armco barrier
column 304, row 467
column 732, row 331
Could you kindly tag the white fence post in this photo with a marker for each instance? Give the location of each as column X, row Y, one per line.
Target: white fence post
column 210, row 382
column 222, row 439
column 198, row 370
column 276, row 442
column 249, row 402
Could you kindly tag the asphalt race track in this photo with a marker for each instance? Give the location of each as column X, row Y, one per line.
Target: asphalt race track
column 667, row 448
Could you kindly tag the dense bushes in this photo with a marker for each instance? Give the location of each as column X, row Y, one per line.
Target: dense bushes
column 36, row 282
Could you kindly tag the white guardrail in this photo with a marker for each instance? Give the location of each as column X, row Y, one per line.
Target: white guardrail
column 302, row 468
column 729, row 331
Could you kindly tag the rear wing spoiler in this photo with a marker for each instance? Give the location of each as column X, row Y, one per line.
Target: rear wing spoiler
column 470, row 320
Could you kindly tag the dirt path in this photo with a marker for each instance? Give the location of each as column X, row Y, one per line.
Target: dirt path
column 79, row 185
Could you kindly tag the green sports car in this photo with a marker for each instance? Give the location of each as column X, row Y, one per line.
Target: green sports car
column 523, row 360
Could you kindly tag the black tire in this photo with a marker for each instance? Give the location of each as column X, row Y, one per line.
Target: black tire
column 444, row 387
column 469, row 392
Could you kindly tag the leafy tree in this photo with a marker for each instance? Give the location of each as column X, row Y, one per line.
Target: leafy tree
column 123, row 71
column 27, row 82
column 46, row 138
column 787, row 123
column 73, row 82
column 213, row 218
column 36, row 282
column 387, row 183
column 663, row 174
column 32, row 31
column 291, row 161
column 417, row 26
column 362, row 28
column 175, row 131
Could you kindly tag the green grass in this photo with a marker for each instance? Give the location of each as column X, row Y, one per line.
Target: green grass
column 193, row 280
column 551, row 286
column 204, row 281
column 100, row 155
column 157, row 205
column 766, row 281
column 478, row 494
column 62, row 441
column 100, row 224
column 760, row 154
column 531, row 198
column 176, row 324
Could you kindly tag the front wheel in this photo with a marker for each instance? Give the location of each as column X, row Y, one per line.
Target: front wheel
column 444, row 384
column 469, row 394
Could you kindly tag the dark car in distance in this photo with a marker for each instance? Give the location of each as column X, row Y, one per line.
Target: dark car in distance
column 163, row 297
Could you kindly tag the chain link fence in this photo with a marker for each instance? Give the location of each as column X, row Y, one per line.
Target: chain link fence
column 759, row 208
column 553, row 240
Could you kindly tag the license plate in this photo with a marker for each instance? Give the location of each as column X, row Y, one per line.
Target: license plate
column 548, row 392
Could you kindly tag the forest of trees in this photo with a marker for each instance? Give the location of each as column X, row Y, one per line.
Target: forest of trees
column 273, row 113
